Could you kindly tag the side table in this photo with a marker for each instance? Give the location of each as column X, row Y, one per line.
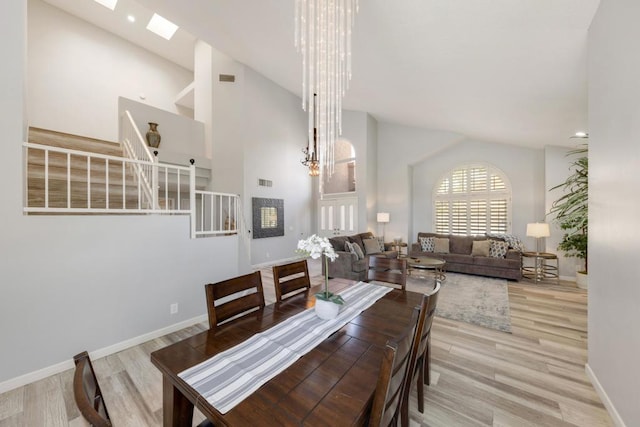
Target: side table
column 398, row 247
column 543, row 266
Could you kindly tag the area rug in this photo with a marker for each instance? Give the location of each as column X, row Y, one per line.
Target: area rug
column 478, row 300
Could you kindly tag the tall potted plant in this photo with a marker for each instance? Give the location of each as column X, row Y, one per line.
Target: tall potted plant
column 571, row 211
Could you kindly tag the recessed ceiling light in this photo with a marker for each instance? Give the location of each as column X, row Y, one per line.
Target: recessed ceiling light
column 580, row 135
column 131, row 18
column 162, row 27
column 111, row 4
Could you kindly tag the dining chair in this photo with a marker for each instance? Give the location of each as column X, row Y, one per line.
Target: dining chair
column 290, row 277
column 389, row 270
column 87, row 393
column 388, row 397
column 88, row 396
column 420, row 359
column 232, row 297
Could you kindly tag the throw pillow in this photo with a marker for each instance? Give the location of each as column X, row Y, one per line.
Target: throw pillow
column 426, row 244
column 513, row 240
column 351, row 247
column 480, row 248
column 440, row 246
column 498, row 249
column 371, row 246
column 381, row 243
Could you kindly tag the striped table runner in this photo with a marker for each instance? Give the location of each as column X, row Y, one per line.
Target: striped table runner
column 229, row 377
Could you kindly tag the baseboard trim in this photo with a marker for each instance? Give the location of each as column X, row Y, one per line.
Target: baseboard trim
column 568, row 278
column 31, row 377
column 613, row 413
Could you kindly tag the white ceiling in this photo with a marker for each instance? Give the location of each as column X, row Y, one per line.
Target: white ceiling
column 510, row 71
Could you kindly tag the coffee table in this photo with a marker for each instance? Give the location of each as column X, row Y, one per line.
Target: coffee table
column 426, row 263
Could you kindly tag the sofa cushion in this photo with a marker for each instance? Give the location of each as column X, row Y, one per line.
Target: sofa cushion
column 488, row 261
column 338, row 243
column 513, row 240
column 441, row 245
column 498, row 249
column 426, row 243
column 354, row 249
column 357, row 239
column 371, row 246
column 480, row 248
column 462, row 244
column 456, row 258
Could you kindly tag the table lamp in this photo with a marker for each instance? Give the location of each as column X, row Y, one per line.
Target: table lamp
column 383, row 217
column 538, row 230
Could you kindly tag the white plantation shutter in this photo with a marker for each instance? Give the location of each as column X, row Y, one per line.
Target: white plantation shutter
column 473, row 199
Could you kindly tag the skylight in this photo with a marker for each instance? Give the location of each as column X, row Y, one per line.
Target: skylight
column 111, row 4
column 162, row 27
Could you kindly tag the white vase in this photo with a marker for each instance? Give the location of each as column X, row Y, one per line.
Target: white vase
column 582, row 280
column 326, row 309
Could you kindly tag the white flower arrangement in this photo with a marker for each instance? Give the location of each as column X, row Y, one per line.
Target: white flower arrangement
column 315, row 247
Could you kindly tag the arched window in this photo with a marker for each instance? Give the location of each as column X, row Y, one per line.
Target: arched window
column 472, row 199
column 343, row 179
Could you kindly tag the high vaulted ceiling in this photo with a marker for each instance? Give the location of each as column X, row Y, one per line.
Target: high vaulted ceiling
column 510, row 71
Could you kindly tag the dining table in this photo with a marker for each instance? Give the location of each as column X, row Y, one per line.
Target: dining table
column 333, row 384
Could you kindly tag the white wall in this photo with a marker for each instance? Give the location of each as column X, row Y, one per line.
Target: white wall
column 614, row 207
column 524, row 167
column 71, row 283
column 399, row 148
column 273, row 133
column 182, row 138
column 78, row 71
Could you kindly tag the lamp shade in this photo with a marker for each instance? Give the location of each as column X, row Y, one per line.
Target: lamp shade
column 538, row 229
column 383, row 216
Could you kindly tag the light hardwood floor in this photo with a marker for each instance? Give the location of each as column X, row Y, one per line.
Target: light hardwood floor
column 480, row 377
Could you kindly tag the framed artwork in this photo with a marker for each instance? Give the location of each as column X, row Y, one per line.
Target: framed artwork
column 268, row 217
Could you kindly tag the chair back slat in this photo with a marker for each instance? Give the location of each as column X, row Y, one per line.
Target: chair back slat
column 389, row 395
column 418, row 361
column 290, row 277
column 241, row 294
column 388, row 270
column 87, row 393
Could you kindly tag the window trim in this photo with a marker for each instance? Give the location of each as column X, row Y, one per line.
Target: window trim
column 468, row 197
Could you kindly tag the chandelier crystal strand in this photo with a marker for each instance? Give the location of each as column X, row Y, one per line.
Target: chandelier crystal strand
column 323, row 36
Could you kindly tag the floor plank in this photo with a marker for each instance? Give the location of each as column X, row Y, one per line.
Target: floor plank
column 533, row 376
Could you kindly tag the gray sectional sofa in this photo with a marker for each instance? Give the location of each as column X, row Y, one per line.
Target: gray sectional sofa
column 460, row 259
column 347, row 265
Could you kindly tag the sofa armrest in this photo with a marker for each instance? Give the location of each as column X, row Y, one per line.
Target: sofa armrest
column 514, row 254
column 342, row 265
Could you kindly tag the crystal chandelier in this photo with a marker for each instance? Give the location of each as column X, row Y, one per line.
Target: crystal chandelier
column 323, row 35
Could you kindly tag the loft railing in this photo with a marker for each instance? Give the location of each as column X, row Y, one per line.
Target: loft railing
column 60, row 180
column 135, row 148
column 215, row 214
column 65, row 181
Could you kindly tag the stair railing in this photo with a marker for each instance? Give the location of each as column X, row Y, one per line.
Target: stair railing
column 135, row 148
column 108, row 185
column 214, row 214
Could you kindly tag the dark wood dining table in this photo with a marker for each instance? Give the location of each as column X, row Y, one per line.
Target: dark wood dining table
column 333, row 384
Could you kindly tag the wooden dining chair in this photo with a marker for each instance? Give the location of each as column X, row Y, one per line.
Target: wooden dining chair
column 389, row 270
column 290, row 277
column 388, row 397
column 232, row 297
column 87, row 393
column 420, row 360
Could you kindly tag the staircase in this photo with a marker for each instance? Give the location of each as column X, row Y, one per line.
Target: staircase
column 69, row 174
